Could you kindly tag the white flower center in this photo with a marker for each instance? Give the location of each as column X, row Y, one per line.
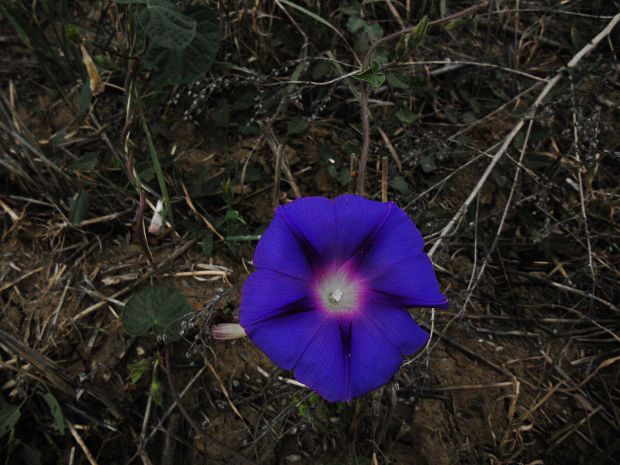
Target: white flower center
column 338, row 291
column 336, row 296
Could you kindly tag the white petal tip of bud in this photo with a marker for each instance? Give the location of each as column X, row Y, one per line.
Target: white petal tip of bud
column 225, row 331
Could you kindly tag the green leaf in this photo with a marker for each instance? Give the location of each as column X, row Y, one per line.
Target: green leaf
column 167, row 27
column 411, row 40
column 427, row 161
column 72, row 31
column 157, row 391
column 381, row 56
column 419, row 31
column 158, row 309
column 374, row 32
column 79, row 205
column 207, row 244
column 400, row 184
column 398, row 80
column 442, row 8
column 371, row 75
column 246, row 238
column 84, row 101
column 345, row 176
column 333, row 171
column 175, row 66
column 58, row 137
column 297, row 125
column 131, row 2
column 355, row 23
column 454, row 24
column 234, row 216
column 9, row 416
column 321, row 70
column 56, row 411
column 405, row 115
column 87, row 162
column 158, row 171
column 137, row 369
column 13, row 21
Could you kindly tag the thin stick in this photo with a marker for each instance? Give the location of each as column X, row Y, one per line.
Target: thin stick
column 500, row 227
column 580, row 181
column 384, row 179
column 517, row 128
column 82, row 444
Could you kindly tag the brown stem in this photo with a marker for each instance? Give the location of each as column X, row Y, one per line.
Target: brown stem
column 363, row 161
column 140, row 233
column 361, row 171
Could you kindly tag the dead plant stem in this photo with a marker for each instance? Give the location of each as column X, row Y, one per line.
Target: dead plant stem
column 458, row 216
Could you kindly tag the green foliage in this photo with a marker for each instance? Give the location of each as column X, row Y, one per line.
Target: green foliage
column 372, row 75
column 181, row 45
column 78, row 205
column 405, row 115
column 365, row 33
column 418, row 32
column 427, row 162
column 84, row 101
column 161, row 310
column 408, row 42
column 137, row 370
column 398, row 80
column 9, row 416
column 400, row 184
column 165, row 26
column 56, row 411
column 87, row 162
column 297, row 125
column 156, row 387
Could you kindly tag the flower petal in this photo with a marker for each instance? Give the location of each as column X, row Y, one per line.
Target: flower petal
column 357, row 219
column 285, row 338
column 311, row 220
column 323, row 366
column 411, row 282
column 279, row 250
column 397, row 325
column 396, row 264
column 374, row 359
column 267, row 294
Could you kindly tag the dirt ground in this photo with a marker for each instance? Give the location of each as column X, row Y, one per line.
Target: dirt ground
column 521, row 369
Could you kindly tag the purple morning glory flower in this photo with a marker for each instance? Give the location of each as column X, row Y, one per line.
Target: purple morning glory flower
column 330, row 293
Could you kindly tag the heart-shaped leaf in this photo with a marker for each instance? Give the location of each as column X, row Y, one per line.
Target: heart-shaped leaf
column 159, row 309
column 175, row 66
column 167, row 27
column 372, row 75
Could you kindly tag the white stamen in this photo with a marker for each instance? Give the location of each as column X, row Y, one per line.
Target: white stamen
column 336, row 296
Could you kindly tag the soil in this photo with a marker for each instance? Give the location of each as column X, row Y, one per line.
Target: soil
column 521, row 369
